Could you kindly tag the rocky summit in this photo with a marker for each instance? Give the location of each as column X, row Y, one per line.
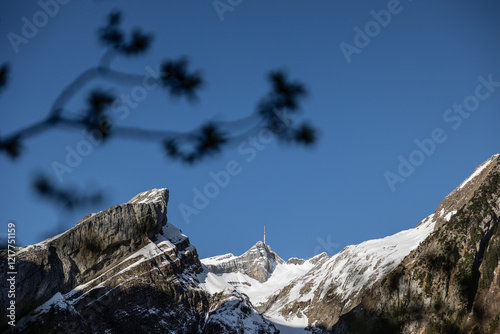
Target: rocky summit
column 259, row 262
column 128, row 270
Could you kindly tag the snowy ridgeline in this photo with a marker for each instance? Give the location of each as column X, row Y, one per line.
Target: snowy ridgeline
column 352, row 270
column 257, row 283
column 354, row 267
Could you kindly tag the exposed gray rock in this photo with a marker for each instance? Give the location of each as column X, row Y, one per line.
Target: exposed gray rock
column 85, row 251
column 295, row 260
column 320, row 258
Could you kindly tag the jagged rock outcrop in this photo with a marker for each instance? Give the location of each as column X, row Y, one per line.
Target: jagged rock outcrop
column 61, row 263
column 450, row 283
column 258, row 262
column 241, row 277
column 296, row 261
column 122, row 270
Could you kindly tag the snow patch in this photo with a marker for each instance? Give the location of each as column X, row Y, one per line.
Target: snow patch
column 256, row 291
column 218, row 259
column 295, row 325
column 212, row 283
column 449, row 215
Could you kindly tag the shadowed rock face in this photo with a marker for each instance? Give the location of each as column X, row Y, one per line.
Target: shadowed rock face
column 258, row 262
column 122, row 270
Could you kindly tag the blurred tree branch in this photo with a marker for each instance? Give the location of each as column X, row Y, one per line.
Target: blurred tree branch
column 176, row 77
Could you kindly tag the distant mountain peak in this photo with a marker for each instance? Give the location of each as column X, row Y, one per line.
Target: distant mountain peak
column 320, row 258
column 258, row 262
column 263, row 249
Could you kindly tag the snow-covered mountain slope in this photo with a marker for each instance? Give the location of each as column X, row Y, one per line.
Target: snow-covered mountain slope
column 227, row 271
column 298, row 289
column 317, row 294
column 335, row 287
column 450, row 283
column 239, row 275
column 328, row 289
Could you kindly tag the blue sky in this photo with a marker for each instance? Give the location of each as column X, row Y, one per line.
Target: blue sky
column 370, row 106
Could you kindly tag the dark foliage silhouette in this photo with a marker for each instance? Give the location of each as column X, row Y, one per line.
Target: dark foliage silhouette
column 178, row 80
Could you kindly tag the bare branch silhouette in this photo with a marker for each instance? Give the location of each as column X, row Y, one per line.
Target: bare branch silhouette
column 178, row 80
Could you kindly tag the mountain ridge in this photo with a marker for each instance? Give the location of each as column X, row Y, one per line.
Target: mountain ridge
column 258, row 262
column 128, row 269
column 450, row 283
column 314, row 291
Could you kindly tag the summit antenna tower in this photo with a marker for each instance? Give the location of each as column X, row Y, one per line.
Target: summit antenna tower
column 264, row 234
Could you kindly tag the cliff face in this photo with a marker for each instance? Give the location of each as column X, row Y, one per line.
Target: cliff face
column 450, row 283
column 85, row 251
column 122, row 270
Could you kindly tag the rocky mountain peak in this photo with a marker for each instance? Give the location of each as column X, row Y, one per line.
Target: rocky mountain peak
column 262, row 250
column 319, row 259
column 159, row 196
column 258, row 262
column 296, row 261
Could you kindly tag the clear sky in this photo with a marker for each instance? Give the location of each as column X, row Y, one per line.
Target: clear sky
column 382, row 76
